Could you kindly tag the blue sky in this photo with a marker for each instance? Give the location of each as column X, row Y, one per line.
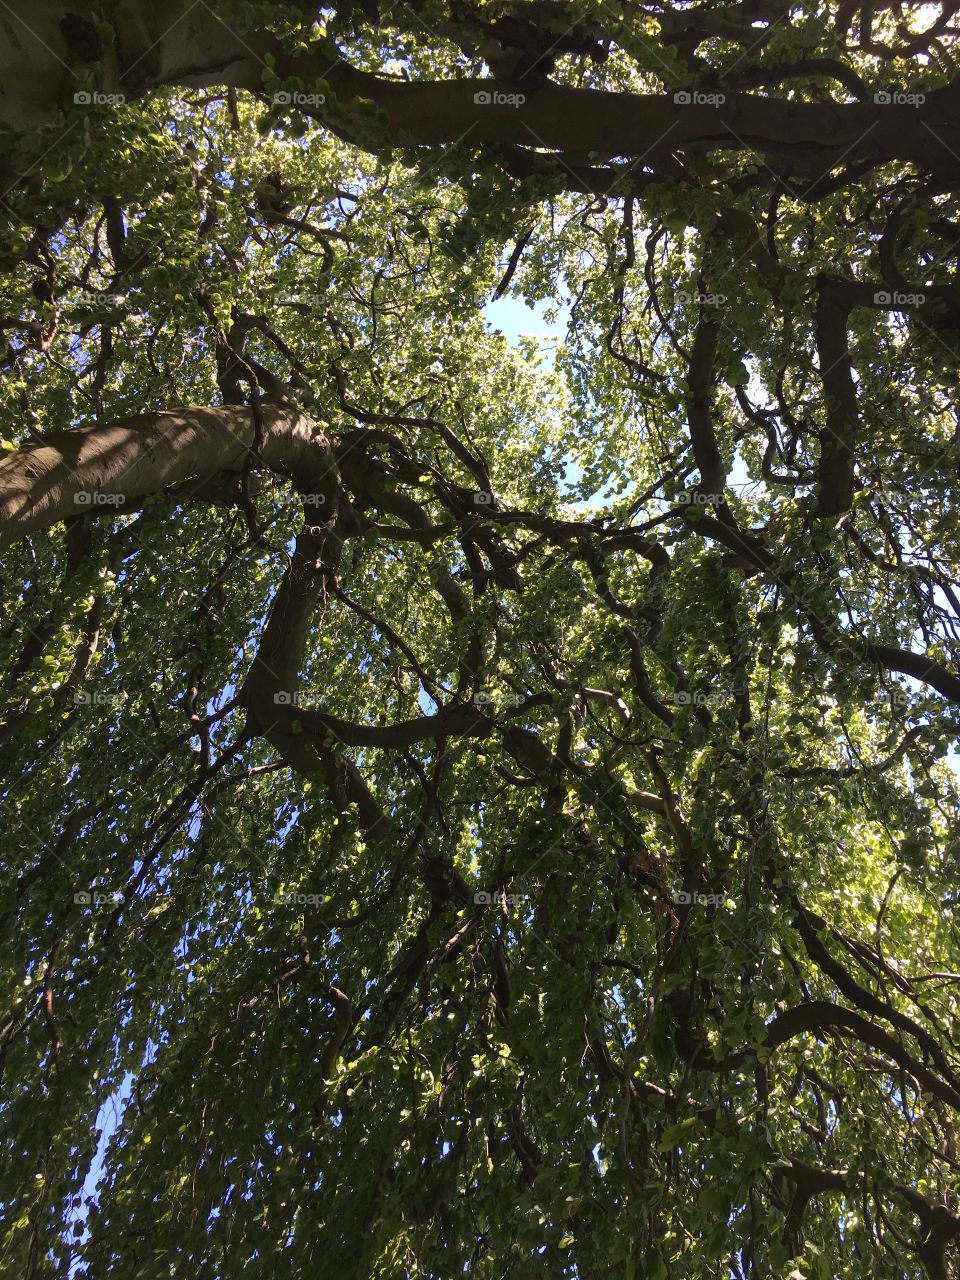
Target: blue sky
column 513, row 317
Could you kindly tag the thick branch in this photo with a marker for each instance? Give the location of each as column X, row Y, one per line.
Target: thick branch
column 110, row 467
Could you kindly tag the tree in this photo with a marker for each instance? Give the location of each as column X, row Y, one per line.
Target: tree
column 472, row 807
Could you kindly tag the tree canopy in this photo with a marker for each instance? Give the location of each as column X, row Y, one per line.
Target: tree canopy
column 471, row 806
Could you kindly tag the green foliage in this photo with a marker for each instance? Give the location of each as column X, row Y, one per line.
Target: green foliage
column 697, row 803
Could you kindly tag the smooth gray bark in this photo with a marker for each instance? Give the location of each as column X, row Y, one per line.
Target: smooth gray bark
column 76, row 472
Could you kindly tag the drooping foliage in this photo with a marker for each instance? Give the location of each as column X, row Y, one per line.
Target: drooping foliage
column 493, row 813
